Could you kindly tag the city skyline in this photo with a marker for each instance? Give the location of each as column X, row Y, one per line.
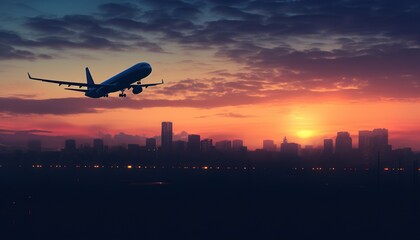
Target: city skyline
column 248, row 70
column 342, row 143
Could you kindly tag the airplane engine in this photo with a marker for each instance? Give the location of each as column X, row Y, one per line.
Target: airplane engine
column 137, row 89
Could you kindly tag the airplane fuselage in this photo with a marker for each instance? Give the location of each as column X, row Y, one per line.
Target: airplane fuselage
column 121, row 81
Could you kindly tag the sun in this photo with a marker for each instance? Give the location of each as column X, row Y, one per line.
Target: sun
column 305, row 133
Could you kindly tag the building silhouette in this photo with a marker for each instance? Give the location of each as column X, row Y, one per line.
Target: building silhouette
column 289, row 148
column 269, row 145
column 193, row 143
column 372, row 143
column 237, row 144
column 166, row 135
column 343, row 143
column 224, row 145
column 151, row 144
column 206, row 145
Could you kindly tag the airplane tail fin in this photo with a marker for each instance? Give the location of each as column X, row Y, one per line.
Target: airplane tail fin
column 89, row 78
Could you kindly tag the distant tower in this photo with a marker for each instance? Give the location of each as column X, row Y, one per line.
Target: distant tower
column 166, row 136
column 289, row 148
column 150, row 144
column 343, row 143
column 206, row 145
column 193, row 143
column 373, row 142
column 237, row 144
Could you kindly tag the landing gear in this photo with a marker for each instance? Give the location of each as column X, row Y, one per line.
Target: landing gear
column 122, row 94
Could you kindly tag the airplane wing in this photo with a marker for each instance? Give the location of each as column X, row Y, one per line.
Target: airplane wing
column 62, row 82
column 146, row 84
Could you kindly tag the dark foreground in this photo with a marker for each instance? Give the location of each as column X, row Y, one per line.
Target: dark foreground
column 206, row 204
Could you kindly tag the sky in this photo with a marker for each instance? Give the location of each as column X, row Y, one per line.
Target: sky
column 250, row 70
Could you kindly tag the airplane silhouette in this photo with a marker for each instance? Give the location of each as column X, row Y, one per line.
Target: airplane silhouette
column 120, row 82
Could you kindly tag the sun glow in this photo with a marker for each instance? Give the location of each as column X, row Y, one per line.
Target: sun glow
column 305, row 133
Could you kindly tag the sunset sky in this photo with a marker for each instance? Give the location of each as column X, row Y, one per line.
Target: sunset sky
column 251, row 70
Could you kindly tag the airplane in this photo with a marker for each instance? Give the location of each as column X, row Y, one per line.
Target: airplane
column 119, row 82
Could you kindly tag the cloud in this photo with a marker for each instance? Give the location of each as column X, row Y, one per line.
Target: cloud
column 282, row 46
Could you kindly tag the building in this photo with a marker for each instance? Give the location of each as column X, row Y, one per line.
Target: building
column 193, row 143
column 343, row 143
column 289, row 148
column 224, row 145
column 237, row 144
column 70, row 145
column 206, row 145
column 166, row 142
column 365, row 138
column 328, row 147
column 151, row 144
column 269, row 145
column 372, row 143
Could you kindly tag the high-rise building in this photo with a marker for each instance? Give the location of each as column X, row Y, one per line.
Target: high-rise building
column 365, row 143
column 237, row 144
column 343, row 143
column 206, row 145
column 328, row 147
column 224, row 145
column 269, row 145
column 166, row 136
column 150, row 144
column 193, row 143
column 70, row 145
column 289, row 148
column 372, row 143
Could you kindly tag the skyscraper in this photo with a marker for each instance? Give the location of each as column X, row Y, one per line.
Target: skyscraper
column 372, row 143
column 166, row 136
column 365, row 142
column 206, row 145
column 343, row 143
column 193, row 143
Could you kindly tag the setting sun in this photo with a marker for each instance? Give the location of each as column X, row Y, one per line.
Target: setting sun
column 305, row 133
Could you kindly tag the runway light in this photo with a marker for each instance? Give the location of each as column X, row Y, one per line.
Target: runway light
column 386, row 169
column 129, row 166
